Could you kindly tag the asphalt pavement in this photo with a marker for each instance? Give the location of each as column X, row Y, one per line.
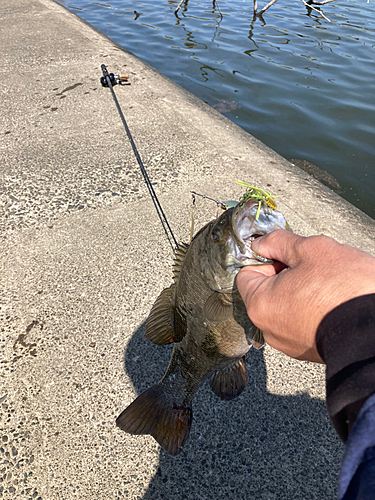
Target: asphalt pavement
column 84, row 255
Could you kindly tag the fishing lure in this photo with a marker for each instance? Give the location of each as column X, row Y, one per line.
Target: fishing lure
column 257, row 194
column 224, row 205
column 251, row 192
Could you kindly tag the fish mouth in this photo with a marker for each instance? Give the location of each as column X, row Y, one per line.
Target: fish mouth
column 250, row 222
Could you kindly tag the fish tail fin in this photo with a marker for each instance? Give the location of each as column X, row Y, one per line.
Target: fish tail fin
column 153, row 413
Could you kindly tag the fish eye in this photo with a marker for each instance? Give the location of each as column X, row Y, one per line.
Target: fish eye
column 215, row 235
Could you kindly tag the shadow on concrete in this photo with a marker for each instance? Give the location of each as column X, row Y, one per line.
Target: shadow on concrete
column 259, row 446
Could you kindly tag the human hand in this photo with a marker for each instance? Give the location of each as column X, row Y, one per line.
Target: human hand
column 287, row 300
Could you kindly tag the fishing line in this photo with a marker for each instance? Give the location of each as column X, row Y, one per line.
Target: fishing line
column 108, row 80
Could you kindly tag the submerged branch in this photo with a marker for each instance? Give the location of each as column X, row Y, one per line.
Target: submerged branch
column 178, row 6
column 314, row 2
column 319, row 11
column 265, row 8
column 307, row 3
column 214, row 4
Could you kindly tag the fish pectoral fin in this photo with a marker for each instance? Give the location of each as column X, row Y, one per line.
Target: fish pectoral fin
column 159, row 324
column 256, row 338
column 153, row 413
column 229, row 382
column 218, row 307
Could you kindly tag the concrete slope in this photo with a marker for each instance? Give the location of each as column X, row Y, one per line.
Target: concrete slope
column 84, row 256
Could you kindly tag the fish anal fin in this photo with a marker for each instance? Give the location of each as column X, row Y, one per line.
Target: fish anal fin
column 229, row 382
column 159, row 324
column 179, row 258
column 152, row 413
column 218, row 307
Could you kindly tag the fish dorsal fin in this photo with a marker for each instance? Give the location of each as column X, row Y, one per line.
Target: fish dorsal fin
column 229, row 382
column 179, row 258
column 159, row 324
column 256, row 337
column 218, row 307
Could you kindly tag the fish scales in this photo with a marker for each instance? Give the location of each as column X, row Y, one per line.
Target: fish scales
column 204, row 315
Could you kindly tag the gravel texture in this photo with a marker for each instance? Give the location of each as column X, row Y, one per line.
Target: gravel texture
column 83, row 257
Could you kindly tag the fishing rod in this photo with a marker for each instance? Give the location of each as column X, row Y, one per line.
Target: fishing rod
column 108, row 80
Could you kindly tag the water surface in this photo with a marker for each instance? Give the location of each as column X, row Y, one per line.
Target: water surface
column 302, row 85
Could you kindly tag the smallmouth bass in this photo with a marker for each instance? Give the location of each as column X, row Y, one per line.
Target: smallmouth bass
column 203, row 314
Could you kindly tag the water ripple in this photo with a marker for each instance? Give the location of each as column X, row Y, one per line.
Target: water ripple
column 301, row 84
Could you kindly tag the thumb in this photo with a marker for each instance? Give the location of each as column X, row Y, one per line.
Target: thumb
column 280, row 245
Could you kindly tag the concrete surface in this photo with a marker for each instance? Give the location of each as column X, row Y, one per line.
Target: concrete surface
column 84, row 256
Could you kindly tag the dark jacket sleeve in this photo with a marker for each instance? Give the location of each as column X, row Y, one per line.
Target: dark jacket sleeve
column 346, row 342
column 357, row 474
